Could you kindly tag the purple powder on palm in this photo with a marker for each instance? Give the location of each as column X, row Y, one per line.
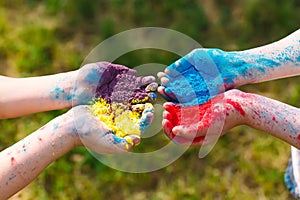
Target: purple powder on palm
column 120, row 84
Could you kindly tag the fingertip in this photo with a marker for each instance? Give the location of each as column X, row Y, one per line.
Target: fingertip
column 160, row 89
column 164, row 80
column 148, row 80
column 167, row 115
column 132, row 140
column 169, row 106
column 152, row 96
column 152, row 87
column 160, row 74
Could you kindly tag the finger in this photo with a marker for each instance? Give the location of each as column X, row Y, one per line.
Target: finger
column 171, row 107
column 164, row 81
column 152, row 96
column 167, row 115
column 116, row 144
column 132, row 139
column 160, row 90
column 161, row 74
column 178, row 67
column 196, row 141
column 167, row 127
column 167, row 94
column 147, row 117
column 147, row 80
column 152, row 87
column 191, row 132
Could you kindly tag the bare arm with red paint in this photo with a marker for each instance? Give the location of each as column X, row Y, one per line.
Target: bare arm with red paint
column 189, row 124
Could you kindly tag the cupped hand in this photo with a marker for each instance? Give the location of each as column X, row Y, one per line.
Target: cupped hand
column 112, row 82
column 190, row 124
column 196, row 77
column 93, row 133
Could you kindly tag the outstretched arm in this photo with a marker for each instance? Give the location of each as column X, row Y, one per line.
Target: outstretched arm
column 190, row 124
column 21, row 96
column 273, row 61
column 25, row 160
column 205, row 73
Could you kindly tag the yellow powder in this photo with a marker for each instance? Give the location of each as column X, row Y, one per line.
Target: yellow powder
column 117, row 117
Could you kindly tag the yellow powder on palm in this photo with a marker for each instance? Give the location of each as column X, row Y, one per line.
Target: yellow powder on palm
column 117, row 117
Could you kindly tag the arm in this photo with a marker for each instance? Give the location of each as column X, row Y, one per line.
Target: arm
column 276, row 118
column 25, row 160
column 273, row 61
column 205, row 73
column 21, row 96
column 235, row 108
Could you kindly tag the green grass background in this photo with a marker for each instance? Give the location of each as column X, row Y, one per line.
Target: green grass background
column 52, row 36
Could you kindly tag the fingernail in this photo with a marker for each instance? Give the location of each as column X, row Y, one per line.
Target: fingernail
column 129, row 140
column 136, row 139
column 152, row 87
column 152, row 96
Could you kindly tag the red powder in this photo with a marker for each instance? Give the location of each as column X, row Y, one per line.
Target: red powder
column 237, row 106
column 190, row 114
column 298, row 137
column 12, row 161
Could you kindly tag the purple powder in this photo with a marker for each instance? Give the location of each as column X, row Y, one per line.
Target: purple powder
column 120, row 84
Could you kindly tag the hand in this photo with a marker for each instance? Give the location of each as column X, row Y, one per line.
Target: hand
column 197, row 77
column 189, row 124
column 112, row 82
column 93, row 134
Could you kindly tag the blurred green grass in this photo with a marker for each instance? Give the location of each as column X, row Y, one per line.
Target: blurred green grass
column 52, row 36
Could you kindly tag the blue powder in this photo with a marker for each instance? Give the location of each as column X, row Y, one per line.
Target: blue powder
column 60, row 94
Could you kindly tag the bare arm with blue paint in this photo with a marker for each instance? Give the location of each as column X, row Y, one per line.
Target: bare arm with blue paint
column 25, row 160
column 21, row 96
column 204, row 73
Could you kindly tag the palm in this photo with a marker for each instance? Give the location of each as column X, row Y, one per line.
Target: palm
column 190, row 124
column 94, row 135
column 195, row 78
column 111, row 82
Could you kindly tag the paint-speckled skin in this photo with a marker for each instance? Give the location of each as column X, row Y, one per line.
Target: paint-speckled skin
column 204, row 73
column 197, row 82
column 26, row 159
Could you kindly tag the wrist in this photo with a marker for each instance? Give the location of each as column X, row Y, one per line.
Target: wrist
column 231, row 67
column 63, row 92
column 64, row 131
column 238, row 106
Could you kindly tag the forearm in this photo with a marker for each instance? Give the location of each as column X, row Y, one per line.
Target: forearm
column 274, row 117
column 25, row 160
column 21, row 96
column 277, row 60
